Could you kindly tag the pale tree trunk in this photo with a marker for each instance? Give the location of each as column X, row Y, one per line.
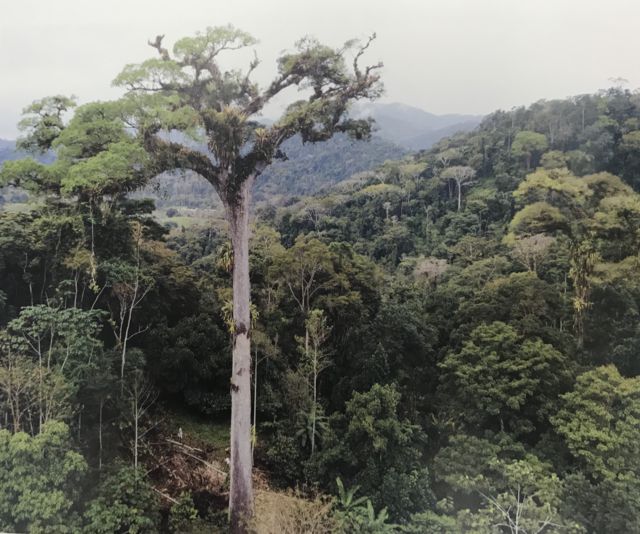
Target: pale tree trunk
column 315, row 402
column 100, row 435
column 241, row 491
column 135, row 438
column 134, row 301
column 255, row 403
column 459, row 186
column 123, row 357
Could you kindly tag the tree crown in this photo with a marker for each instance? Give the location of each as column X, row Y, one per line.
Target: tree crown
column 188, row 90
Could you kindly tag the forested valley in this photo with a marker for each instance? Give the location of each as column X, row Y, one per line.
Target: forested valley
column 445, row 342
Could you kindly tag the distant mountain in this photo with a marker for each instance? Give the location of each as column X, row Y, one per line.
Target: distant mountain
column 399, row 129
column 426, row 140
column 308, row 169
column 312, row 167
column 413, row 128
column 8, row 152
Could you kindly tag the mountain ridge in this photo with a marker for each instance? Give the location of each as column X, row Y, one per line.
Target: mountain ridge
column 399, row 130
column 413, row 128
column 407, row 126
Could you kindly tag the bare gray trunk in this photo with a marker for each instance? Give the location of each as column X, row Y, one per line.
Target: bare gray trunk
column 136, row 287
column 315, row 402
column 255, row 404
column 100, row 435
column 241, row 491
column 135, row 426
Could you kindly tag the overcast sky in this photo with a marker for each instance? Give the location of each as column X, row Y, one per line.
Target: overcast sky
column 444, row 56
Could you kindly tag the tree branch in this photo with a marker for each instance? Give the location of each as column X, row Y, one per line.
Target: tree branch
column 157, row 44
column 171, row 156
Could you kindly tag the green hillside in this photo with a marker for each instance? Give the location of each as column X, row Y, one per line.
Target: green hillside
column 308, row 169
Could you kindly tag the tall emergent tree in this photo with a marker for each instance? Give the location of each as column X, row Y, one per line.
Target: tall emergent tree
column 187, row 90
column 461, row 175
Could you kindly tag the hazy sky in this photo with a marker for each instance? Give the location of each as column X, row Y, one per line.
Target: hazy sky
column 445, row 56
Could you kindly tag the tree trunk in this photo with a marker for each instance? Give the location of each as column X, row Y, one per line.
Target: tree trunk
column 241, row 491
column 255, row 404
column 136, row 417
column 459, row 185
column 315, row 401
column 100, row 435
column 136, row 287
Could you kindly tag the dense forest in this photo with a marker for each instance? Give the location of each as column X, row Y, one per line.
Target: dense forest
column 446, row 343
